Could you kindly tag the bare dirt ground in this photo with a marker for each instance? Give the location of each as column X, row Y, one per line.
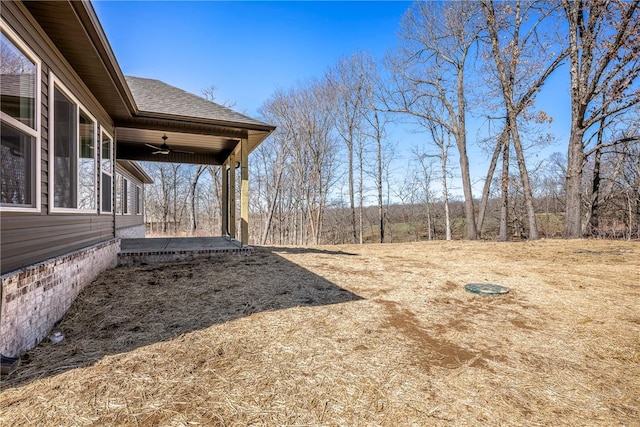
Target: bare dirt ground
column 349, row 335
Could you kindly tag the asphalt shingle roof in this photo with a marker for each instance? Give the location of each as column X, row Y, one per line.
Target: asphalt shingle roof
column 155, row 96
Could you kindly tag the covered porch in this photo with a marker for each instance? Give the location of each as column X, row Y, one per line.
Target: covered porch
column 171, row 125
column 143, row 111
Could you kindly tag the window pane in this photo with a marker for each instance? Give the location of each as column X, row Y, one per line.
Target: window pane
column 131, row 193
column 106, row 154
column 118, row 194
column 17, row 167
column 65, row 152
column 17, row 83
column 106, row 193
column 87, row 166
column 134, row 197
column 125, row 196
column 139, row 201
column 106, row 189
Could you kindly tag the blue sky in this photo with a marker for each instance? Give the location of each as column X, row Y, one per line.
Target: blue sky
column 248, row 49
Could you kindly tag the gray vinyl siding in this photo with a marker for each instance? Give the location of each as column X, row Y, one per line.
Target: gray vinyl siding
column 131, row 219
column 124, row 221
column 28, row 239
column 31, row 237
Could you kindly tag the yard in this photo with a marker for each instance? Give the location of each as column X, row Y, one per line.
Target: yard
column 349, row 335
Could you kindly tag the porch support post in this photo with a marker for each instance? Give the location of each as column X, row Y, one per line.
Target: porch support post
column 224, row 208
column 232, row 195
column 244, row 191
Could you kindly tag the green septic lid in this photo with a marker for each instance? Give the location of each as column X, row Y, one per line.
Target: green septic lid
column 486, row 289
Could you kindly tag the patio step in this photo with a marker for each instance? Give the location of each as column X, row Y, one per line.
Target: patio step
column 163, row 250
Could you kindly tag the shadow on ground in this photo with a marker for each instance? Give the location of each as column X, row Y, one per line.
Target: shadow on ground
column 129, row 307
column 305, row 250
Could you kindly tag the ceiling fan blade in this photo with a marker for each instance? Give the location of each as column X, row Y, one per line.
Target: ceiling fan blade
column 153, row 146
column 161, row 152
column 183, row 152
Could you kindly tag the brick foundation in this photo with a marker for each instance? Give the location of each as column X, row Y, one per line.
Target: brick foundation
column 142, row 258
column 36, row 297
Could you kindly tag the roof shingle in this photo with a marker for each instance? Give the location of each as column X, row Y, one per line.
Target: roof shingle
column 155, row 96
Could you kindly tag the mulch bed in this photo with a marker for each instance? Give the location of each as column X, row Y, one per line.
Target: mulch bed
column 348, row 335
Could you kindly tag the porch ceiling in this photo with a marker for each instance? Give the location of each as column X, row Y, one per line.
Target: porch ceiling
column 207, row 149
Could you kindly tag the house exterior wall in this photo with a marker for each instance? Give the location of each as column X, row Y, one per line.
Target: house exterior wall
column 49, row 255
column 36, row 297
column 130, row 224
column 32, row 237
column 133, row 232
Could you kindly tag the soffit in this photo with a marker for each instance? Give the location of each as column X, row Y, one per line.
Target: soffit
column 74, row 29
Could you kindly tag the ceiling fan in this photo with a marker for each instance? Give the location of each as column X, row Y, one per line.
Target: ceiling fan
column 164, row 148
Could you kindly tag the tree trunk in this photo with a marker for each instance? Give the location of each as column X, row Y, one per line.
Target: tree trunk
column 352, row 203
column 192, row 199
column 380, row 213
column 504, row 136
column 272, row 206
column 429, row 226
column 504, row 194
column 573, row 209
column 379, row 185
column 594, row 225
column 461, row 142
column 361, row 195
column 526, row 184
column 469, row 210
column 445, row 196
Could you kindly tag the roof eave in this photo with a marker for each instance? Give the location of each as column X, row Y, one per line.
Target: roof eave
column 199, row 120
column 136, row 170
column 87, row 15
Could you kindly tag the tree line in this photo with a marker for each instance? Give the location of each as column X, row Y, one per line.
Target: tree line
column 327, row 173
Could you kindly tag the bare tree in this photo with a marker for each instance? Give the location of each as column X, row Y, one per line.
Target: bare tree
column 375, row 123
column 604, row 51
column 319, row 147
column 630, row 183
column 298, row 163
column 274, row 154
column 425, row 164
column 617, row 139
column 502, row 146
column 346, row 80
column 442, row 139
column 159, row 195
column 209, row 93
column 431, row 67
column 193, row 185
column 524, row 59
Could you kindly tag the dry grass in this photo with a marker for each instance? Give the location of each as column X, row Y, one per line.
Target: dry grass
column 349, row 335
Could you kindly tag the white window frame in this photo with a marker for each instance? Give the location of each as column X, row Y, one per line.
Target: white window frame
column 54, row 83
column 17, row 41
column 140, row 201
column 111, row 173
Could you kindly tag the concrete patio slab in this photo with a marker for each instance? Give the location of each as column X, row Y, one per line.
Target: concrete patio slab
column 176, row 249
